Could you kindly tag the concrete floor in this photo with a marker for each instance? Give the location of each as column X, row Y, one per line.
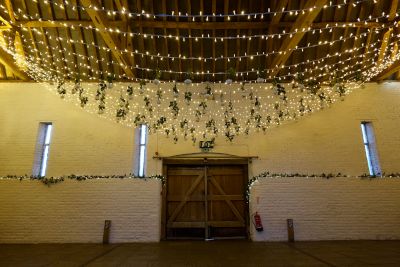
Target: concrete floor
column 214, row 253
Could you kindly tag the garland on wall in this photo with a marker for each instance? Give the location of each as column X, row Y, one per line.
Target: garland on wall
column 267, row 174
column 54, row 180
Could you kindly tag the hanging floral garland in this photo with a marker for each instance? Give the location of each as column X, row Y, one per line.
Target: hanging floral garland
column 209, row 113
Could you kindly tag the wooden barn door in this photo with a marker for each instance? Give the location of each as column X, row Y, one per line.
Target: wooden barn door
column 206, row 202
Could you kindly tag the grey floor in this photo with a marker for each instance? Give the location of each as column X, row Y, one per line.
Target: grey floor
column 213, row 253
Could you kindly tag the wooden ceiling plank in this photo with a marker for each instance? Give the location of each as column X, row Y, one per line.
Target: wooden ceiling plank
column 346, row 30
column 164, row 9
column 358, row 41
column 50, row 10
column 274, row 27
column 127, row 40
column 97, row 56
column 69, row 37
column 201, row 33
column 237, row 65
column 32, row 37
column 176, row 6
column 84, row 47
column 143, row 60
column 154, row 48
column 46, row 41
column 189, row 10
column 226, row 12
column 101, row 22
column 335, row 34
column 289, row 43
column 214, row 11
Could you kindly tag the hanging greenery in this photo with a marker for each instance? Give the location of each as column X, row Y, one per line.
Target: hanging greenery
column 61, row 89
column 174, row 107
column 54, row 180
column 175, row 90
column 188, row 97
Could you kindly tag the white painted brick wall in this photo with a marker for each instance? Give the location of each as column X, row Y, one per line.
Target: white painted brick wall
column 83, row 143
column 334, row 209
column 74, row 211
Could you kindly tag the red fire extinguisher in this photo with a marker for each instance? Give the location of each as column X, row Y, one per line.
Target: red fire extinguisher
column 257, row 222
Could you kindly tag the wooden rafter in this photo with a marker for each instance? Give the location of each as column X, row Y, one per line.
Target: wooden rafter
column 101, row 23
column 6, row 25
column 10, row 10
column 290, row 42
column 388, row 33
column 7, row 60
column 17, row 69
column 386, row 73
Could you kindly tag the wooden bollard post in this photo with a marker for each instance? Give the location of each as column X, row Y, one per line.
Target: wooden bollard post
column 106, row 233
column 290, row 230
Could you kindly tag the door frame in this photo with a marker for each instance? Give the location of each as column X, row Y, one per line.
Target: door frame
column 200, row 162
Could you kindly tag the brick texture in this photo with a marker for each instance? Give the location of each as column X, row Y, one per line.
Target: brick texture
column 328, row 141
column 74, row 211
column 334, row 209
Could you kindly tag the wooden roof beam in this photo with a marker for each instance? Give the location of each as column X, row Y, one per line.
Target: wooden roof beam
column 10, row 10
column 7, row 60
column 386, row 73
column 289, row 43
column 388, row 33
column 65, row 23
column 101, row 23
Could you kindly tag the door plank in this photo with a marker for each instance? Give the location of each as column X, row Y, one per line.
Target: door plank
column 185, row 198
column 229, row 202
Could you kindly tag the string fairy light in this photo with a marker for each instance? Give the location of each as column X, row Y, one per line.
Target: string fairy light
column 116, row 30
column 206, row 110
column 149, row 70
column 194, row 17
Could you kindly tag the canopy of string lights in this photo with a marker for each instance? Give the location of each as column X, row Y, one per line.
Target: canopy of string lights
column 249, row 65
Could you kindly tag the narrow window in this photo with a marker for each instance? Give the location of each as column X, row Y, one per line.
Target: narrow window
column 142, row 149
column 370, row 148
column 42, row 149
